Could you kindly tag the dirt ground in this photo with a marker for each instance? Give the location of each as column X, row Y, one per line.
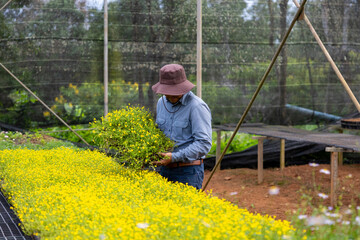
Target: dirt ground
column 297, row 185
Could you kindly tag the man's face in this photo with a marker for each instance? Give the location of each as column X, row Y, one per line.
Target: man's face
column 173, row 99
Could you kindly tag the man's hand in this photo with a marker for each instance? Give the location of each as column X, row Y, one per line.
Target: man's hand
column 166, row 159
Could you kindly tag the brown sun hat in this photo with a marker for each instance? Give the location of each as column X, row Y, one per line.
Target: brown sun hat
column 172, row 81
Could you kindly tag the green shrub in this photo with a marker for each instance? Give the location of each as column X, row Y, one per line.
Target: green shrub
column 132, row 132
column 240, row 142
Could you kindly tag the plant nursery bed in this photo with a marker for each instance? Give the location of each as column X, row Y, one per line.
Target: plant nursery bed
column 295, row 187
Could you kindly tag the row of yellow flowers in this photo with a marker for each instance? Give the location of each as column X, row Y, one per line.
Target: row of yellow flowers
column 76, row 194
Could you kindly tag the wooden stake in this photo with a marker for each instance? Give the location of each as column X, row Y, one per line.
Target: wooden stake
column 334, row 174
column 334, row 171
column 218, row 148
column 260, row 158
column 282, row 154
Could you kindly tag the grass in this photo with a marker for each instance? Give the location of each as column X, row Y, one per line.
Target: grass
column 36, row 141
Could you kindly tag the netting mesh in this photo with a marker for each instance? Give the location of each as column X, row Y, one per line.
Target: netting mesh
column 56, row 48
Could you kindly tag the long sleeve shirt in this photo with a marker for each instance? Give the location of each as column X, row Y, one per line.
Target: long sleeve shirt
column 188, row 124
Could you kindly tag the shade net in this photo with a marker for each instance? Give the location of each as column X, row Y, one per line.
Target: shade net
column 56, row 48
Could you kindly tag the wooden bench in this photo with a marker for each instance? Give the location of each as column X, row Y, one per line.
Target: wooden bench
column 337, row 144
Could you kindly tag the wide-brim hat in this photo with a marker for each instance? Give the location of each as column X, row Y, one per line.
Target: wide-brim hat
column 172, row 81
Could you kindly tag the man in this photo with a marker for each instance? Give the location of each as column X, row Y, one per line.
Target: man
column 185, row 119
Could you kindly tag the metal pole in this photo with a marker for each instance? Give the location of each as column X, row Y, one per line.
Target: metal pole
column 257, row 90
column 329, row 58
column 47, row 107
column 106, row 73
column 199, row 50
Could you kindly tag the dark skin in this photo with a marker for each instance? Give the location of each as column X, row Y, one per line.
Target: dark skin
column 167, row 157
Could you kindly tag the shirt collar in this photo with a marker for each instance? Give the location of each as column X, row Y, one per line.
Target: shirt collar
column 185, row 99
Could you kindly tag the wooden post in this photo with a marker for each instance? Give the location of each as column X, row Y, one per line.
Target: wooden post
column 106, row 60
column 341, row 158
column 334, row 172
column 218, row 147
column 199, row 48
column 282, row 154
column 260, row 158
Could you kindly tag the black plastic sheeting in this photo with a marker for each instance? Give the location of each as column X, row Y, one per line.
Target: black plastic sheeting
column 9, row 223
column 296, row 153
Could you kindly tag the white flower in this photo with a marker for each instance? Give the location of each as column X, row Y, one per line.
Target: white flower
column 333, row 215
column 345, row 223
column 206, row 224
column 329, row 222
column 348, row 211
column 313, row 164
column 302, row 217
column 316, row 220
column 325, row 171
column 357, row 220
column 323, row 196
column 142, row 225
column 274, row 190
column 233, row 193
column 6, row 136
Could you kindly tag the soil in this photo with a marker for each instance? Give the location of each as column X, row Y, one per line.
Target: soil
column 298, row 187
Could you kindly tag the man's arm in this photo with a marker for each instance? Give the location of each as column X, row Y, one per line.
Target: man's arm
column 202, row 134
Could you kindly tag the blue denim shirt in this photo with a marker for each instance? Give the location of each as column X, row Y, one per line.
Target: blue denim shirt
column 188, row 124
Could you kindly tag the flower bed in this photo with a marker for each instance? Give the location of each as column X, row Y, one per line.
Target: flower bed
column 75, row 194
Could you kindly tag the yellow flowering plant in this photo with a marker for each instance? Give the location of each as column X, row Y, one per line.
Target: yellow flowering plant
column 81, row 194
column 133, row 133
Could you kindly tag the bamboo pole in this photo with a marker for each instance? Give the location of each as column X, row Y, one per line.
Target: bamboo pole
column 5, row 5
column 257, row 90
column 329, row 58
column 46, row 106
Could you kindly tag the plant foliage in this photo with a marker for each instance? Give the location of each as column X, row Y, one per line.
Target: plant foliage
column 132, row 132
